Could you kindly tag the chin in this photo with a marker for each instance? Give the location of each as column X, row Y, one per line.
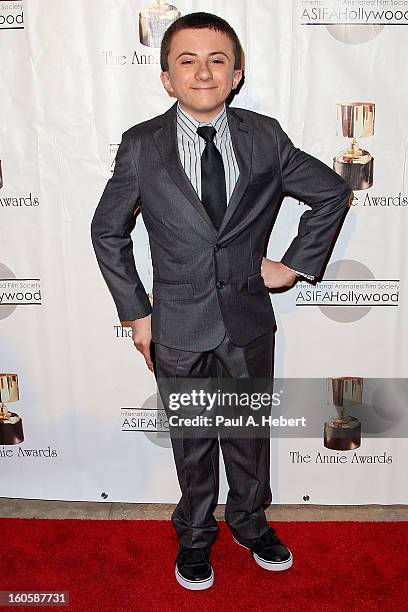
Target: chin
column 205, row 102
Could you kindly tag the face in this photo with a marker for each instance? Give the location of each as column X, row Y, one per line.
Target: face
column 201, row 71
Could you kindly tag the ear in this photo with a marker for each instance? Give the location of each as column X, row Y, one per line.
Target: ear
column 236, row 78
column 165, row 79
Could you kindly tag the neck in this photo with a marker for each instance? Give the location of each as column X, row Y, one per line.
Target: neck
column 202, row 116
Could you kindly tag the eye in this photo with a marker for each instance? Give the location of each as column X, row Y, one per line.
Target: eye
column 186, row 61
column 218, row 60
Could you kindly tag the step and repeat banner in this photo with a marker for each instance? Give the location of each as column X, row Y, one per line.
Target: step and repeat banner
column 80, row 417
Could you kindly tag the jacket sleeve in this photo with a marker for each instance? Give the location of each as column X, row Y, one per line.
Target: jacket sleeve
column 308, row 179
column 111, row 226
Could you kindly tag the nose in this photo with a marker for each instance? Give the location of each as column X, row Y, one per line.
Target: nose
column 203, row 72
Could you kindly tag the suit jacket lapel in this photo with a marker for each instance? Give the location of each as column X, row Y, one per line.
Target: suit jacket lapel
column 242, row 142
column 166, row 141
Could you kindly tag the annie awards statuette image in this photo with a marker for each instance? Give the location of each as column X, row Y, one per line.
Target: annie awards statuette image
column 355, row 165
column 11, row 424
column 343, row 431
column 154, row 21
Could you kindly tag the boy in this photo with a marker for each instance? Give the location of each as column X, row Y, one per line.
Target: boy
column 208, row 179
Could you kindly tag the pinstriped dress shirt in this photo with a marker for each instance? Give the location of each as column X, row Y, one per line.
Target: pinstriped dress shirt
column 191, row 146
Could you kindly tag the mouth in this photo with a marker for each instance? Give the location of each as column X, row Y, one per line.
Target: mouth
column 203, row 88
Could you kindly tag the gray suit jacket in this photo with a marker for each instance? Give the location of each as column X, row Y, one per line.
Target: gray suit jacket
column 204, row 280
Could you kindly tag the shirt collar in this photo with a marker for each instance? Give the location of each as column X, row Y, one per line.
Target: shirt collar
column 189, row 125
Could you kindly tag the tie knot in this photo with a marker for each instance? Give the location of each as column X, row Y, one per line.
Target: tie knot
column 207, row 132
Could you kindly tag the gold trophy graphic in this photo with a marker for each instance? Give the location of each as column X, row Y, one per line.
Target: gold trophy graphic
column 154, row 21
column 11, row 424
column 343, row 432
column 355, row 165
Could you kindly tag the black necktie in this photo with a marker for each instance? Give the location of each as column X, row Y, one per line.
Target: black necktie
column 213, row 190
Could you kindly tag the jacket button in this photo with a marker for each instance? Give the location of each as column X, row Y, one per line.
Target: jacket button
column 217, row 248
column 220, row 284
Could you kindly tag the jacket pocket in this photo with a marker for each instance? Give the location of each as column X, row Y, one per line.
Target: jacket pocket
column 172, row 290
column 262, row 177
column 256, row 283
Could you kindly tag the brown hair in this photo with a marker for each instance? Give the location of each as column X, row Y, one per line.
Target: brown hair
column 200, row 21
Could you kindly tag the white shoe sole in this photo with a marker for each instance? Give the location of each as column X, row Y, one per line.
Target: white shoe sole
column 195, row 585
column 268, row 565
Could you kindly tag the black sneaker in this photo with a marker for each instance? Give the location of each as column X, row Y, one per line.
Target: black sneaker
column 193, row 568
column 268, row 551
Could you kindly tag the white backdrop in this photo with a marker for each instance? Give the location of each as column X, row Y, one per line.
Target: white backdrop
column 74, row 76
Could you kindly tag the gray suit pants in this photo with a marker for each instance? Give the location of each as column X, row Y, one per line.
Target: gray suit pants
column 246, row 460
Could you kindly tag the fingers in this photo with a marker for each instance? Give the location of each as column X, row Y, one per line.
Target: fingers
column 148, row 357
column 143, row 346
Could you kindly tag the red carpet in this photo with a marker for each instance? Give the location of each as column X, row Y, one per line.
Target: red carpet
column 128, row 566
